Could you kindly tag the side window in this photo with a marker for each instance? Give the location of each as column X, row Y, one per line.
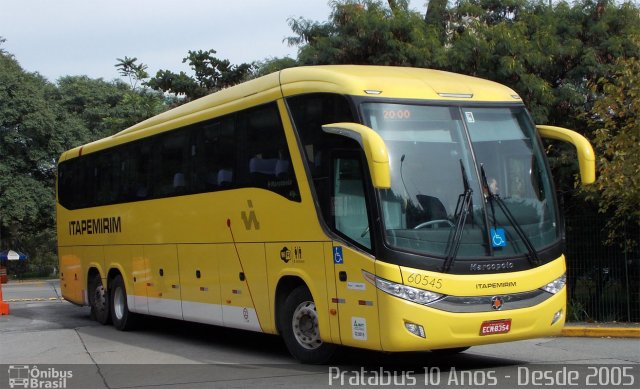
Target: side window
column 107, row 177
column 139, row 169
column 68, row 172
column 309, row 113
column 76, row 182
column 171, row 164
column 86, row 191
column 349, row 202
column 246, row 149
column 265, row 161
column 215, row 155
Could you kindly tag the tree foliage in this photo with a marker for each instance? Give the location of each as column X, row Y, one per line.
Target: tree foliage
column 34, row 130
column 134, row 71
column 271, row 65
column 365, row 32
column 211, row 74
column 38, row 121
column 107, row 107
column 615, row 121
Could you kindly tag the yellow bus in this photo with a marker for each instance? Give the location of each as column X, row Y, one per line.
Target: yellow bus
column 385, row 208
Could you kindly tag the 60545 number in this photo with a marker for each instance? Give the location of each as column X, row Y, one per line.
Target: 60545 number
column 424, row 280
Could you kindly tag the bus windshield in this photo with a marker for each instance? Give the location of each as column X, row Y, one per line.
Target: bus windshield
column 469, row 177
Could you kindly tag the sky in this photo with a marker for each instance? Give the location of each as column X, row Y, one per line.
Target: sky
column 84, row 37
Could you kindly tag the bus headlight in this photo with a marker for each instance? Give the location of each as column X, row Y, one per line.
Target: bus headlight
column 415, row 295
column 556, row 285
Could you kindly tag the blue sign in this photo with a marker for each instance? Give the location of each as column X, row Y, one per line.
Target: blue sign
column 338, row 259
column 498, row 237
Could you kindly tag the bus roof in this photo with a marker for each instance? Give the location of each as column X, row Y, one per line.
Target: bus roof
column 356, row 80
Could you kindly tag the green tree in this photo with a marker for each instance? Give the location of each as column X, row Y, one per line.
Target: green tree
column 38, row 121
column 271, row 65
column 437, row 18
column 615, row 120
column 34, row 130
column 134, row 71
column 211, row 74
column 365, row 32
column 106, row 107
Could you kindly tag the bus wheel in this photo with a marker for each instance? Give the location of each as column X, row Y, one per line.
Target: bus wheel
column 299, row 327
column 120, row 315
column 98, row 300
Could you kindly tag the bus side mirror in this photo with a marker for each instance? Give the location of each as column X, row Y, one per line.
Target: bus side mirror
column 374, row 148
column 586, row 157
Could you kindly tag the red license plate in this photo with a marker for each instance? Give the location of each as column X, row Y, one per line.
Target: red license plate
column 493, row 327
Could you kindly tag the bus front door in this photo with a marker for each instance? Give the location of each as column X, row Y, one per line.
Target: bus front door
column 356, row 298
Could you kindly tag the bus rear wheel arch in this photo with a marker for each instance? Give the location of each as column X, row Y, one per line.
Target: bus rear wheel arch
column 298, row 326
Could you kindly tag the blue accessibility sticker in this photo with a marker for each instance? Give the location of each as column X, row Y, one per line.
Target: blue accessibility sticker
column 338, row 259
column 498, row 237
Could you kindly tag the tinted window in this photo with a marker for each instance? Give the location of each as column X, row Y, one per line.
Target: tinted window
column 309, row 113
column 214, row 150
column 265, row 161
column 246, row 149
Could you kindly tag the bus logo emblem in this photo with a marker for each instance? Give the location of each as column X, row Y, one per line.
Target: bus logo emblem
column 250, row 221
column 496, row 303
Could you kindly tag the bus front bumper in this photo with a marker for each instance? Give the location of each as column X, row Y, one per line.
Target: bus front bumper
column 408, row 326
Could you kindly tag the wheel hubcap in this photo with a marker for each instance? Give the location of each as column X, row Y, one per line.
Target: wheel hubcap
column 100, row 299
column 118, row 303
column 305, row 325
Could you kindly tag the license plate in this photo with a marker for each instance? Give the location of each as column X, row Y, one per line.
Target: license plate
column 493, row 327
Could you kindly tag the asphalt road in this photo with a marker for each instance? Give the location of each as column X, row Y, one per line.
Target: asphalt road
column 53, row 342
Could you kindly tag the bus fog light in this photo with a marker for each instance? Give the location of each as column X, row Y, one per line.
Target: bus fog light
column 557, row 316
column 415, row 329
column 556, row 285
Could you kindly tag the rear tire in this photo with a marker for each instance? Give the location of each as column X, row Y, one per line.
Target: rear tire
column 299, row 328
column 99, row 300
column 121, row 317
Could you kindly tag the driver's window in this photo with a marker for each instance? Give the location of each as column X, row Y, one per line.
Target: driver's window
column 349, row 204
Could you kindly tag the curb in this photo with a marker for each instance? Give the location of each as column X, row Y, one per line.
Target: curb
column 601, row 332
column 29, row 282
column 34, row 299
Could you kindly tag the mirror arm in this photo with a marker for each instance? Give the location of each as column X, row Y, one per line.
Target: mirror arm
column 374, row 148
column 586, row 156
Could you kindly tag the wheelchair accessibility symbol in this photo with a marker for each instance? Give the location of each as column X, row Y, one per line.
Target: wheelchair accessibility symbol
column 498, row 237
column 338, row 259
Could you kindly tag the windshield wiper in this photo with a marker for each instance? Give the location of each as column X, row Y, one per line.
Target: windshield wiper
column 490, row 196
column 460, row 215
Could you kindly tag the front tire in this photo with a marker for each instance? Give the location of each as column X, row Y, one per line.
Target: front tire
column 122, row 318
column 99, row 300
column 300, row 331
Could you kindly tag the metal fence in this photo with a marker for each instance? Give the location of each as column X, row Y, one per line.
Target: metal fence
column 603, row 280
